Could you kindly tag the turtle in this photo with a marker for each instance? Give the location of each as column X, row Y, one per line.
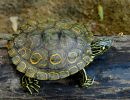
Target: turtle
column 60, row 50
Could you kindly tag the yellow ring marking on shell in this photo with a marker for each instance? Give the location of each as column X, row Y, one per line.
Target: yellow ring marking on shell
column 25, row 51
column 54, row 63
column 74, row 59
column 35, row 53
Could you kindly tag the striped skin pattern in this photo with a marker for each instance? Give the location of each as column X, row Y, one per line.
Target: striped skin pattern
column 57, row 52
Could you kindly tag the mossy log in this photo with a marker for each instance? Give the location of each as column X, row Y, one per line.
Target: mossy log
column 111, row 72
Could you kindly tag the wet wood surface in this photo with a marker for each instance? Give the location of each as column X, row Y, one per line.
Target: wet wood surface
column 111, row 71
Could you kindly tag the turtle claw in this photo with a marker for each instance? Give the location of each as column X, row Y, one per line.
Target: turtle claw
column 88, row 82
column 30, row 84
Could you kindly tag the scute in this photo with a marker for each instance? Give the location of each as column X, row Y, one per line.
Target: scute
column 55, row 53
column 41, row 75
column 53, row 76
column 24, row 53
column 64, row 74
column 73, row 69
column 31, row 72
column 22, row 66
column 16, row 60
column 81, row 64
column 12, row 52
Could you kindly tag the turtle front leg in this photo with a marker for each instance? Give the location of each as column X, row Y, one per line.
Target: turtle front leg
column 84, row 80
column 30, row 84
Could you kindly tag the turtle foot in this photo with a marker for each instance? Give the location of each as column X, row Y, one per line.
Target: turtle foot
column 88, row 82
column 30, row 84
column 85, row 80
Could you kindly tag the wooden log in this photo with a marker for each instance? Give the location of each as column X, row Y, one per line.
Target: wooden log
column 111, row 72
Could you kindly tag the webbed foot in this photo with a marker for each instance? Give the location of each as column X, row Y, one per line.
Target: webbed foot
column 30, row 84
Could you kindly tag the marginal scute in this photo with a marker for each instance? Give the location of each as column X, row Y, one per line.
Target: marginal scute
column 16, row 60
column 86, row 58
column 73, row 69
column 80, row 65
column 79, row 29
column 22, row 66
column 53, row 76
column 12, row 52
column 40, row 75
column 63, row 74
column 31, row 71
column 65, row 24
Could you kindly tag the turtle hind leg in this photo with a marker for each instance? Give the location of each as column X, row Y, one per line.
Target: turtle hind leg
column 84, row 80
column 30, row 84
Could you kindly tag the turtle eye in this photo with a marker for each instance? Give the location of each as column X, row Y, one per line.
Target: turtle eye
column 55, row 59
column 35, row 58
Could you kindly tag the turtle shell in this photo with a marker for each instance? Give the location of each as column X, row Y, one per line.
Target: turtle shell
column 57, row 52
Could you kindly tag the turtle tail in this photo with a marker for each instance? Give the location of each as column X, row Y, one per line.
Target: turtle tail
column 6, row 36
column 100, row 46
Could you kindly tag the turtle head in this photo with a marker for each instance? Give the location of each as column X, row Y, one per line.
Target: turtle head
column 100, row 46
